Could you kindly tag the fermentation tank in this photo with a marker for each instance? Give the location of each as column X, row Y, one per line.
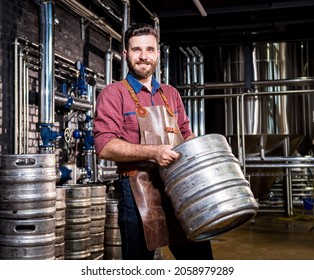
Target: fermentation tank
column 270, row 120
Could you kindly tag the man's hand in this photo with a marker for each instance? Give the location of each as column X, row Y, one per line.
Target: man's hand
column 165, row 155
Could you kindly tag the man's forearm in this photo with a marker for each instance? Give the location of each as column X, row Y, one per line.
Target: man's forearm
column 120, row 150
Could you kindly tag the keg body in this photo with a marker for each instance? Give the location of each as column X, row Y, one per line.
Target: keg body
column 207, row 188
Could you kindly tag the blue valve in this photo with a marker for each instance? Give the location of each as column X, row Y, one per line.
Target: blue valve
column 65, row 174
column 88, row 140
column 81, row 79
column 48, row 135
column 77, row 134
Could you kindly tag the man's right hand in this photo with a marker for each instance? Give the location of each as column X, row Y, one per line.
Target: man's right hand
column 165, row 155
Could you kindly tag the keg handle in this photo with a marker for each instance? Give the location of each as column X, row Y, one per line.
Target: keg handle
column 25, row 162
column 25, row 228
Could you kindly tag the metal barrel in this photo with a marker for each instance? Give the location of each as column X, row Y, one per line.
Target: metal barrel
column 27, row 186
column 60, row 223
column 29, row 239
column 207, row 188
column 77, row 222
column 113, row 249
column 98, row 219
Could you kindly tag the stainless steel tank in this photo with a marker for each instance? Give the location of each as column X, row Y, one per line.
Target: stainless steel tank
column 270, row 120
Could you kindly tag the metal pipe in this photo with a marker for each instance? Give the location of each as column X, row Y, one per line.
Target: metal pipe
column 240, row 152
column 289, row 205
column 165, row 72
column 225, row 85
column 78, row 103
column 59, row 58
column 89, row 154
column 108, row 9
column 16, row 87
column 146, row 9
column 108, row 67
column 20, row 93
column 214, row 96
column 46, row 114
column 201, row 82
column 157, row 27
column 79, row 9
column 242, row 131
column 187, row 92
column 281, row 159
column 25, row 107
column 200, row 8
column 195, row 110
column 125, row 26
column 280, row 165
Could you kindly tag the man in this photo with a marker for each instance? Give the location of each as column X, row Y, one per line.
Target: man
column 137, row 123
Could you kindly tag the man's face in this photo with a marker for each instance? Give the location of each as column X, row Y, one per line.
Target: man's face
column 142, row 56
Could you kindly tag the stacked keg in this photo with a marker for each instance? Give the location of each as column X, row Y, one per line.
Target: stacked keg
column 98, row 219
column 77, row 222
column 60, row 223
column 113, row 249
column 27, row 206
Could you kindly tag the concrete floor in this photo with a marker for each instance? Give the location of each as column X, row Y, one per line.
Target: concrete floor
column 271, row 236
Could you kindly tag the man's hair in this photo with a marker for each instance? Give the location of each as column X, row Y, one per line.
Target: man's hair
column 138, row 30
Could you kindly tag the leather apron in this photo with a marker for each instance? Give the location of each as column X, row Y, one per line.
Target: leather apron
column 157, row 125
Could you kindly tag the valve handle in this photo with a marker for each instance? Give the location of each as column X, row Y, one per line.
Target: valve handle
column 67, row 135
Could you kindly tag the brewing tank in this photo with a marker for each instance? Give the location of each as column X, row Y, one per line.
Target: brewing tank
column 270, row 120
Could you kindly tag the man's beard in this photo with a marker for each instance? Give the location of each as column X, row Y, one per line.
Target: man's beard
column 142, row 74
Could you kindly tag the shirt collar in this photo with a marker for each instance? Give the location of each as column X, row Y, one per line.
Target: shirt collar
column 137, row 86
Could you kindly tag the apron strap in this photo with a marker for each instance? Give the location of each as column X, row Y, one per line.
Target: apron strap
column 169, row 109
column 140, row 110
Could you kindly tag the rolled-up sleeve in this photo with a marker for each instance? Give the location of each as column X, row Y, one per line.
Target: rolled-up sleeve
column 108, row 117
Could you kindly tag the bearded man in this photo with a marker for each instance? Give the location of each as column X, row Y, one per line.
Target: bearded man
column 137, row 123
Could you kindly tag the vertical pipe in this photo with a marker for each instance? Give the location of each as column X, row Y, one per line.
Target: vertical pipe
column 195, row 125
column 16, row 87
column 24, row 105
column 90, row 155
column 201, row 82
column 27, row 109
column 125, row 26
column 188, row 82
column 282, row 122
column 157, row 27
column 165, row 72
column 47, row 64
column 289, row 202
column 20, row 93
column 108, row 67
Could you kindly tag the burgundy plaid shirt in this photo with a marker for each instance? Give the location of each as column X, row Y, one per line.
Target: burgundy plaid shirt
column 115, row 115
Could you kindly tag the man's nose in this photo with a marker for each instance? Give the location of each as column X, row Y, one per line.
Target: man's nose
column 143, row 55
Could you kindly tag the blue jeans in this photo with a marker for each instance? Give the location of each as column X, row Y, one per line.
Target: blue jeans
column 132, row 234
